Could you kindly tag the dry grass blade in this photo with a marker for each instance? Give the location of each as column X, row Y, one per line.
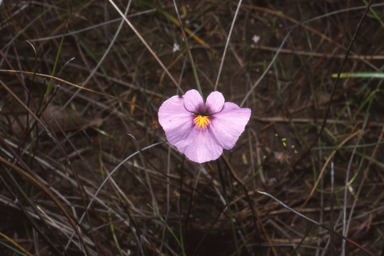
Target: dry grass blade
column 17, row 245
column 226, row 45
column 319, row 224
column 147, row 46
column 48, row 192
column 77, row 86
column 73, row 182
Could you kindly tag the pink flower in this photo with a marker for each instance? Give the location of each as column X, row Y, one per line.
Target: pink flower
column 201, row 132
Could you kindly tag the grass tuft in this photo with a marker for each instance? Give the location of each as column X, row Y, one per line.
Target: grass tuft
column 77, row 77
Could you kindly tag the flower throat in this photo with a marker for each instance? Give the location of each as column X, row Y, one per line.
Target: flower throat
column 201, row 121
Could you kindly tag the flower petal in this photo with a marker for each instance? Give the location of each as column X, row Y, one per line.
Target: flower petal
column 215, row 102
column 193, row 101
column 227, row 122
column 175, row 119
column 227, row 125
column 199, row 146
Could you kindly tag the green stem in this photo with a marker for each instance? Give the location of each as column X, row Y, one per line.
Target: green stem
column 228, row 208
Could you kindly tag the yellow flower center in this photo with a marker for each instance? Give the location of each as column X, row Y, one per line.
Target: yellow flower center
column 202, row 121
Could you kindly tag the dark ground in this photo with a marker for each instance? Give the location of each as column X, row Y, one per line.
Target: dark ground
column 46, row 181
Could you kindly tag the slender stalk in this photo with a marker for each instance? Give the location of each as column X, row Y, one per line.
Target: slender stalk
column 337, row 80
column 226, row 45
column 319, row 224
column 189, row 52
column 345, row 228
column 331, row 213
column 146, row 45
column 228, row 207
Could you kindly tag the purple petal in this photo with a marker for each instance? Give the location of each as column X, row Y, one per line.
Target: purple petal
column 227, row 125
column 193, row 101
column 175, row 119
column 228, row 121
column 199, row 146
column 215, row 102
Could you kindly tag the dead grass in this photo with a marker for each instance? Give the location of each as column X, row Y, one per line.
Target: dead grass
column 50, row 174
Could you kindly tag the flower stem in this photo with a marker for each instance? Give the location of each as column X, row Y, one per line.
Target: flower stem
column 189, row 52
column 228, row 207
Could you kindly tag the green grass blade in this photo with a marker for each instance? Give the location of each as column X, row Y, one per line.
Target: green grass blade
column 55, row 65
column 13, row 249
column 29, row 24
column 169, row 229
column 360, row 75
column 218, row 216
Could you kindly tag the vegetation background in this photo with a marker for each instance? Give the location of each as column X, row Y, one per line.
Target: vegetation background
column 85, row 103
